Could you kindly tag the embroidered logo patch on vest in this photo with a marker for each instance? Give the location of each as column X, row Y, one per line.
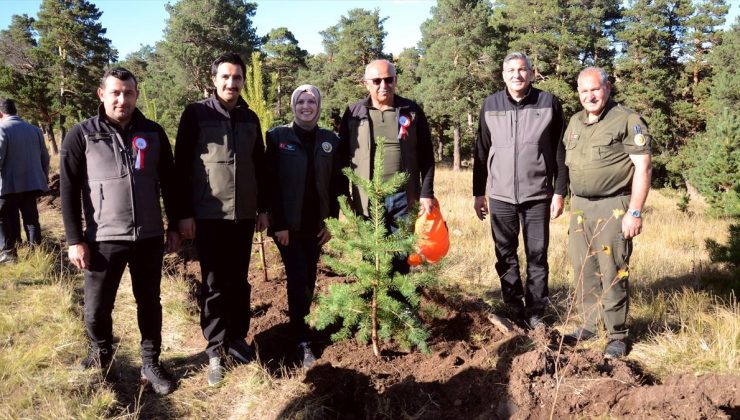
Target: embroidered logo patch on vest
column 287, row 147
column 326, row 147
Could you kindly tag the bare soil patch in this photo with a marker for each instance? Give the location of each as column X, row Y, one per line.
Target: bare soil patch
column 474, row 371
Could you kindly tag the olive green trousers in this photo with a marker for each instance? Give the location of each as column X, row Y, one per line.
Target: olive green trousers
column 600, row 257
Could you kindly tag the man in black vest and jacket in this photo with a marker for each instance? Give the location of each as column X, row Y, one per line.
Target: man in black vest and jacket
column 219, row 156
column 112, row 167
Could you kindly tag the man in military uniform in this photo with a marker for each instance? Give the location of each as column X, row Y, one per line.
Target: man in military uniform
column 608, row 158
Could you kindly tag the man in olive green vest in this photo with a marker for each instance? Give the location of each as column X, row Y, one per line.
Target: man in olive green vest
column 219, row 160
column 407, row 147
column 609, row 161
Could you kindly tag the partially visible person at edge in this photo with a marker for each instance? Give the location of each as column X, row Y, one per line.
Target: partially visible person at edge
column 113, row 167
column 24, row 175
column 305, row 172
column 407, row 148
column 220, row 161
column 520, row 178
column 609, row 158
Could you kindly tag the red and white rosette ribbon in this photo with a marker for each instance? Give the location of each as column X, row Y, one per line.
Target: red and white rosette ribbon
column 405, row 123
column 140, row 145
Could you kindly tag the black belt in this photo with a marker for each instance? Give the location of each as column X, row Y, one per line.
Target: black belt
column 601, row 197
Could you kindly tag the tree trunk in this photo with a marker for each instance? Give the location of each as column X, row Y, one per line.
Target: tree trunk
column 48, row 131
column 440, row 143
column 374, row 320
column 456, row 147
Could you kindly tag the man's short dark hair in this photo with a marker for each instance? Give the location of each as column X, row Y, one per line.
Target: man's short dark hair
column 7, row 106
column 229, row 57
column 119, row 73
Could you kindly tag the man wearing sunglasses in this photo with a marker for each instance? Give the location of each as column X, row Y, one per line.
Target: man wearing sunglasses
column 407, row 146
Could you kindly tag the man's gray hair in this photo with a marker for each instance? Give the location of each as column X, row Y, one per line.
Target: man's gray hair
column 376, row 61
column 516, row 55
column 7, row 106
column 603, row 77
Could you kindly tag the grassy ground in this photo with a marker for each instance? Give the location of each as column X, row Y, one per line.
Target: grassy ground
column 683, row 313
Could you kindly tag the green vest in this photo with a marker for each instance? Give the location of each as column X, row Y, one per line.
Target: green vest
column 292, row 161
column 362, row 148
column 224, row 181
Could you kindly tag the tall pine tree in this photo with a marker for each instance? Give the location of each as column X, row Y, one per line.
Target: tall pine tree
column 24, row 75
column 349, row 46
column 284, row 58
column 73, row 40
column 456, row 70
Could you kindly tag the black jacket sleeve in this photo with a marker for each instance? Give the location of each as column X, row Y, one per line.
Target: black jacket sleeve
column 556, row 136
column 425, row 154
column 72, row 173
column 263, row 182
column 187, row 138
column 272, row 159
column 480, row 155
column 339, row 182
column 171, row 192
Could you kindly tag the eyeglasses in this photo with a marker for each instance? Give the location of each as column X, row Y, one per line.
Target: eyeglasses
column 388, row 80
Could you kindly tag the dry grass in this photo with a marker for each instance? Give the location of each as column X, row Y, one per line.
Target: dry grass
column 40, row 336
column 679, row 323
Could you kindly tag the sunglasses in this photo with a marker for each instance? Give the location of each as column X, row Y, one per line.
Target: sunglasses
column 388, row 80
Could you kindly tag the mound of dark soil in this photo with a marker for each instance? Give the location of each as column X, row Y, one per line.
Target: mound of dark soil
column 474, row 371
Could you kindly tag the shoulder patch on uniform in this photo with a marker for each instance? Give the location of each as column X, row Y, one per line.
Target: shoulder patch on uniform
column 640, row 140
column 326, row 147
column 574, row 136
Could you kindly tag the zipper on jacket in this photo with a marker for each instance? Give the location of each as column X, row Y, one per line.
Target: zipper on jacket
column 126, row 154
column 516, row 153
column 236, row 166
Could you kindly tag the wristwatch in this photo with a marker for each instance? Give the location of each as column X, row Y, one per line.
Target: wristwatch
column 634, row 213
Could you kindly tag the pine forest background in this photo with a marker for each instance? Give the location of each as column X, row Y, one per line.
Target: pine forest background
column 670, row 60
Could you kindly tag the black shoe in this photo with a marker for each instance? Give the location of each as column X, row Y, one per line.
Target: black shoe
column 305, row 355
column 615, row 349
column 579, row 335
column 535, row 321
column 215, row 371
column 98, row 358
column 240, row 352
column 158, row 377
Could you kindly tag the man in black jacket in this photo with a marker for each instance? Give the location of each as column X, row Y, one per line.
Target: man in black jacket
column 407, row 147
column 219, row 157
column 112, row 167
column 518, row 155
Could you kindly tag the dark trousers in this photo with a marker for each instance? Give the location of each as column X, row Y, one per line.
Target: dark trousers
column 533, row 220
column 10, row 223
column 300, row 257
column 397, row 212
column 108, row 259
column 224, row 248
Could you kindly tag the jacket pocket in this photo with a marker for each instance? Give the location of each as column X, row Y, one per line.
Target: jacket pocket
column 621, row 251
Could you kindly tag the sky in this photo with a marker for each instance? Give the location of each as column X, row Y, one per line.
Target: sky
column 133, row 23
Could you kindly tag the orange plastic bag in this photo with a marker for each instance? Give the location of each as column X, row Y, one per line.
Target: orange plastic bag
column 433, row 239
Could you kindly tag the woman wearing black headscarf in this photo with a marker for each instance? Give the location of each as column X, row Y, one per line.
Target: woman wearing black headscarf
column 307, row 178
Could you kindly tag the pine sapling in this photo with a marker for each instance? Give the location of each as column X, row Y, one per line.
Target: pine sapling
column 363, row 251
